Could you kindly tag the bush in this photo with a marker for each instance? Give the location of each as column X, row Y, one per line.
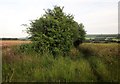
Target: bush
column 55, row 31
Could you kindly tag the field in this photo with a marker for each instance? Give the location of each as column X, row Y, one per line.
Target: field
column 12, row 42
column 91, row 62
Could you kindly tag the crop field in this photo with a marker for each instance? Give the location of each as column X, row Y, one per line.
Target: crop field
column 91, row 62
column 12, row 42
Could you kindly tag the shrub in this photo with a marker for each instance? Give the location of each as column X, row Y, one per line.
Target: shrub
column 55, row 31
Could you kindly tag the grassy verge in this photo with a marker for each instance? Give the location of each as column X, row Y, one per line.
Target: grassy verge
column 89, row 63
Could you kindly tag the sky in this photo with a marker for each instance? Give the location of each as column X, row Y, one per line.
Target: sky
column 98, row 16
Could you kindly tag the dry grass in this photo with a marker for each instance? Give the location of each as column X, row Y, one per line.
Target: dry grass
column 101, row 49
column 12, row 42
column 7, row 51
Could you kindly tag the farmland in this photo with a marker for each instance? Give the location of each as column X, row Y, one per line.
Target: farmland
column 105, row 38
column 91, row 62
column 12, row 42
column 58, row 49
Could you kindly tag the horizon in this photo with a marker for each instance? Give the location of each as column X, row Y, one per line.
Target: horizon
column 98, row 17
column 86, row 35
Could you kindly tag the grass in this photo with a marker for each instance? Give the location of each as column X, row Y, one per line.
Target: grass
column 90, row 63
column 5, row 43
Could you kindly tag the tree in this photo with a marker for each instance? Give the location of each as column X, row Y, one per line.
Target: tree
column 55, row 31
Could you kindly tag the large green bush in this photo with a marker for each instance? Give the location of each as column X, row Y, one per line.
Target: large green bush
column 55, row 31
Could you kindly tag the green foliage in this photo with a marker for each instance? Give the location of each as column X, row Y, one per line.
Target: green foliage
column 30, row 66
column 55, row 31
column 37, row 68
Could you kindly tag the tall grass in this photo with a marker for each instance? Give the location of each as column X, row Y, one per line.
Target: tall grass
column 87, row 64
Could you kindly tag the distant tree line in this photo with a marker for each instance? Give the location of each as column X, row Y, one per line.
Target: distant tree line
column 27, row 38
column 106, row 38
column 9, row 39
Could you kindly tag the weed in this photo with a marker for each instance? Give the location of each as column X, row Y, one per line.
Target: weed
column 91, row 63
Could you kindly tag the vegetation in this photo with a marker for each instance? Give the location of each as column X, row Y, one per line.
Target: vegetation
column 55, row 31
column 8, row 38
column 90, row 63
column 51, row 57
column 6, row 43
column 106, row 38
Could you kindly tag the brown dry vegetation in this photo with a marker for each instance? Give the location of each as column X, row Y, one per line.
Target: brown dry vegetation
column 12, row 42
column 8, row 53
column 6, row 48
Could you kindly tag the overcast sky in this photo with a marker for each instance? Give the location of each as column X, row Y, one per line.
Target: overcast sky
column 98, row 16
